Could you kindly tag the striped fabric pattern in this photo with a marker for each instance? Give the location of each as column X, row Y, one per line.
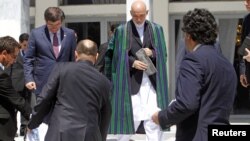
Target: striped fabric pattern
column 122, row 114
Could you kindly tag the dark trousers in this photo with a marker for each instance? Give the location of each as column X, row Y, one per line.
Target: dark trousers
column 31, row 99
column 8, row 129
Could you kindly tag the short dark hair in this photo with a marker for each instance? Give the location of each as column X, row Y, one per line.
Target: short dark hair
column 54, row 14
column 23, row 37
column 113, row 27
column 87, row 47
column 201, row 26
column 9, row 44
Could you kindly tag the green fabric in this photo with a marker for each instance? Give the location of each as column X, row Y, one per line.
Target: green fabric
column 117, row 54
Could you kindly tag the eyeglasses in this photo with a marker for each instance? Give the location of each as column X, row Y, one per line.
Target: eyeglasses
column 54, row 24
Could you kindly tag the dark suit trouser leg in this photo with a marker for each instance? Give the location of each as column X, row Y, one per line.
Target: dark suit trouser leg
column 28, row 99
column 7, row 129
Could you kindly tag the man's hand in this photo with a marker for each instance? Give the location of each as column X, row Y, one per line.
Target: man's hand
column 139, row 65
column 155, row 118
column 247, row 57
column 243, row 80
column 31, row 85
column 26, row 131
column 148, row 52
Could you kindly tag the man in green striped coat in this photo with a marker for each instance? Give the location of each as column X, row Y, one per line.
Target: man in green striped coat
column 136, row 95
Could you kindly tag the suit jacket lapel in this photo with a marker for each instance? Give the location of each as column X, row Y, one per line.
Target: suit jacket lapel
column 62, row 34
column 63, row 39
column 135, row 33
column 46, row 37
column 146, row 37
column 46, row 31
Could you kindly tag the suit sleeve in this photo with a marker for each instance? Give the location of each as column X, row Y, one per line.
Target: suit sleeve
column 9, row 97
column 46, row 99
column 29, row 59
column 105, row 110
column 73, row 47
column 187, row 94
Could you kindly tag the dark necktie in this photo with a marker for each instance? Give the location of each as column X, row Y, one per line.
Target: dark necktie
column 55, row 45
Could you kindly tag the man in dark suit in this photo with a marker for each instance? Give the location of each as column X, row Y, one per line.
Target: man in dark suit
column 100, row 62
column 80, row 97
column 47, row 45
column 17, row 77
column 206, row 85
column 244, row 66
column 10, row 100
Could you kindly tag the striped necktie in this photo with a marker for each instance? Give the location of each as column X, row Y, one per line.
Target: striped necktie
column 55, row 45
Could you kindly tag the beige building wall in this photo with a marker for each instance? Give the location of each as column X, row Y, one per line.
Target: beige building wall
column 14, row 18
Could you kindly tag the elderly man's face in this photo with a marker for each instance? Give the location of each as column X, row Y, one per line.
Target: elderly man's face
column 139, row 16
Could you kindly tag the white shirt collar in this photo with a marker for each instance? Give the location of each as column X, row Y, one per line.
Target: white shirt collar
column 1, row 66
column 196, row 47
column 57, row 33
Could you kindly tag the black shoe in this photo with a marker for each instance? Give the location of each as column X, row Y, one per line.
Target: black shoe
column 16, row 135
column 22, row 132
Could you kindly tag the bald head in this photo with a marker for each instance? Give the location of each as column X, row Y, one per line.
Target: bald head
column 138, row 12
column 86, row 50
column 138, row 6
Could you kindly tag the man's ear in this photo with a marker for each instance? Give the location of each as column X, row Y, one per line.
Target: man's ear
column 76, row 55
column 4, row 52
column 96, row 56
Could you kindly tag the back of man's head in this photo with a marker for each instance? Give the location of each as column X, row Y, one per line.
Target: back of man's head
column 86, row 50
column 201, row 25
column 113, row 27
column 9, row 44
column 54, row 14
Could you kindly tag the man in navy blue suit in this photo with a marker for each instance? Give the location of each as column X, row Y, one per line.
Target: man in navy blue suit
column 206, row 85
column 47, row 45
column 42, row 55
